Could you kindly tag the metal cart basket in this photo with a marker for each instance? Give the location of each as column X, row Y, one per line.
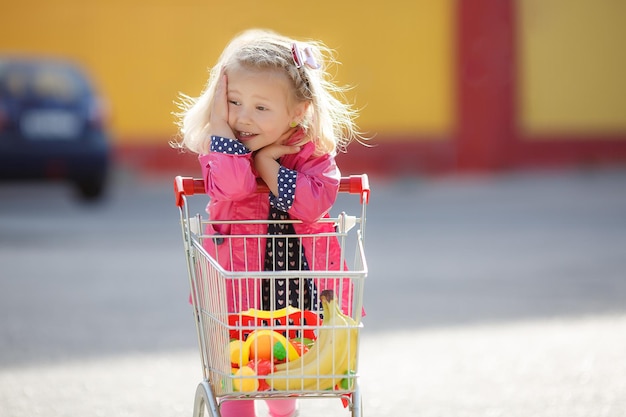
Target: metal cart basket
column 251, row 351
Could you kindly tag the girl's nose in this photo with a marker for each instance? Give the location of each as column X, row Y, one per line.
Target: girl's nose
column 243, row 115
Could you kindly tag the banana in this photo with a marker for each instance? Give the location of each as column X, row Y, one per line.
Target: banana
column 314, row 352
column 352, row 347
column 333, row 353
column 354, row 338
column 334, row 362
column 347, row 363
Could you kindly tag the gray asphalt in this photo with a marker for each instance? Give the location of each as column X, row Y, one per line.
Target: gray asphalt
column 487, row 296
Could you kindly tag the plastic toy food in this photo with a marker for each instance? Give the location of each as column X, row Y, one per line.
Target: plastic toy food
column 303, row 341
column 333, row 353
column 235, row 347
column 300, row 347
column 260, row 345
column 279, row 351
column 261, row 367
column 266, row 359
column 241, row 322
column 245, row 380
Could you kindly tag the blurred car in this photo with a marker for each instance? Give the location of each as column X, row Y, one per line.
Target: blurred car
column 52, row 125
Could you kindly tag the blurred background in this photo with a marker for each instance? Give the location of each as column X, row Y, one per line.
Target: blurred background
column 443, row 85
column 496, row 234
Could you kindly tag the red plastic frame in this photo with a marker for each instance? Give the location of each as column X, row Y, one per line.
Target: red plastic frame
column 354, row 184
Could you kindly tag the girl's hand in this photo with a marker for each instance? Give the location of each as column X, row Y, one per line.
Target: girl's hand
column 265, row 162
column 218, row 122
column 275, row 151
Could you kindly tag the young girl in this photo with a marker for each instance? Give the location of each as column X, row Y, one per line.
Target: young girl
column 270, row 111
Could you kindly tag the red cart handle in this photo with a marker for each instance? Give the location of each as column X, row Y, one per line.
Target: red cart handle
column 354, row 184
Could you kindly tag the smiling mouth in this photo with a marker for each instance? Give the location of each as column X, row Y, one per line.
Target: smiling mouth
column 244, row 136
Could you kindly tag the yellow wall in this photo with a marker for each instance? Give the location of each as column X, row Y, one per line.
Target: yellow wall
column 572, row 64
column 143, row 53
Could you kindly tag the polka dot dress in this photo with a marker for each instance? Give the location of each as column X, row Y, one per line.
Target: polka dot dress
column 285, row 254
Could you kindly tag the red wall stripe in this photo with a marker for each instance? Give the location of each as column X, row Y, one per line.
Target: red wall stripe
column 485, row 80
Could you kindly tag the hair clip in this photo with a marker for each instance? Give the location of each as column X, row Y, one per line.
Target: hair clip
column 308, row 59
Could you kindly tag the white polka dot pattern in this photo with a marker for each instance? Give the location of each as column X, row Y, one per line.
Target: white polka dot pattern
column 286, row 189
column 227, row 145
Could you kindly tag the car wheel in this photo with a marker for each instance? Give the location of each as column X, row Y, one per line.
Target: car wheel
column 91, row 189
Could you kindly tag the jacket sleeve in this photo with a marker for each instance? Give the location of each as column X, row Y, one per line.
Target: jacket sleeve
column 227, row 170
column 315, row 190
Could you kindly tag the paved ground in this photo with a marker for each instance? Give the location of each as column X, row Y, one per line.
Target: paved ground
column 486, row 297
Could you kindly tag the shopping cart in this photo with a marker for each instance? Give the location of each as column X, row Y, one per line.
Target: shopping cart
column 250, row 352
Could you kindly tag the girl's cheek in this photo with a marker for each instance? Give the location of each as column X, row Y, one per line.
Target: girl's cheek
column 232, row 116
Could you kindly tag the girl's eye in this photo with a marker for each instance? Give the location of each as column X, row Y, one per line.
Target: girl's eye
column 261, row 108
column 234, row 102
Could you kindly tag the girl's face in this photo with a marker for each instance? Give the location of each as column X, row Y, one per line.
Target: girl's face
column 260, row 106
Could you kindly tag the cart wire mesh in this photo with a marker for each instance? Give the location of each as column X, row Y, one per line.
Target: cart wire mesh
column 250, row 351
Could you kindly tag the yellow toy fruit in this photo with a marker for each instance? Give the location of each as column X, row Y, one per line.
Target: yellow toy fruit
column 236, row 357
column 245, row 380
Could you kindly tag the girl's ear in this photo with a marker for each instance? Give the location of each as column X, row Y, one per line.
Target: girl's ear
column 300, row 111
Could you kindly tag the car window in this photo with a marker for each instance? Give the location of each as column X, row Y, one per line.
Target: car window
column 46, row 81
column 57, row 83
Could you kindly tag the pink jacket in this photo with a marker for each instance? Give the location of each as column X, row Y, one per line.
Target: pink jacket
column 231, row 182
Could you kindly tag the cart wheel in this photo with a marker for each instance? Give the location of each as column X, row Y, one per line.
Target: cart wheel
column 357, row 402
column 205, row 400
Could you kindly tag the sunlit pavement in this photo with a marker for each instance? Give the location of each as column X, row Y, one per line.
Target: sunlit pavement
column 564, row 368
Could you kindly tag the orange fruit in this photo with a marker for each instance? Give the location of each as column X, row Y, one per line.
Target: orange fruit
column 262, row 346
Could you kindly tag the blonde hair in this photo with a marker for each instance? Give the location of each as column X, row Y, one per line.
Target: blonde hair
column 329, row 121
